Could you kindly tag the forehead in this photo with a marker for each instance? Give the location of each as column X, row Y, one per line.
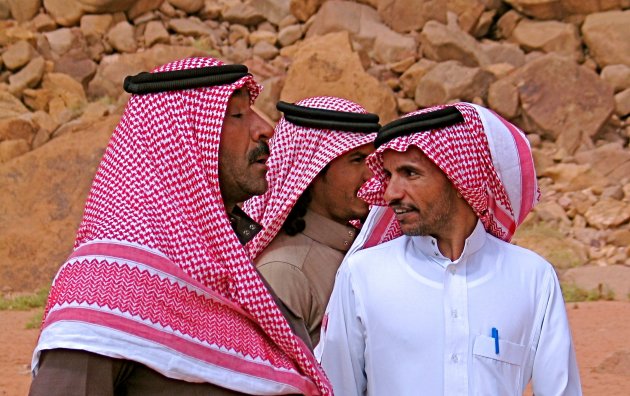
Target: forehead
column 412, row 155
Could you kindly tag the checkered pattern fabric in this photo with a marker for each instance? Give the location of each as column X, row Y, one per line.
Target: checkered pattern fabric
column 157, row 190
column 487, row 159
column 298, row 154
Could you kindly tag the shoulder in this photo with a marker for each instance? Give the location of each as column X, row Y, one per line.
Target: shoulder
column 375, row 255
column 284, row 249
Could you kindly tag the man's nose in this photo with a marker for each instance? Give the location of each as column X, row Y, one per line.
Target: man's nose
column 260, row 129
column 393, row 191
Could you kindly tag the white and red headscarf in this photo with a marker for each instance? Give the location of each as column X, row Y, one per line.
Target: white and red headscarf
column 487, row 159
column 158, row 276
column 298, row 154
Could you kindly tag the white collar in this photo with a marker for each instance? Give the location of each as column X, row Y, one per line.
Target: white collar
column 428, row 245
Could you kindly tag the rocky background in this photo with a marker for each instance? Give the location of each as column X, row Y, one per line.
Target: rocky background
column 560, row 69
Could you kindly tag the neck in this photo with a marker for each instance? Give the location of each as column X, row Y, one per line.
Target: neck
column 452, row 242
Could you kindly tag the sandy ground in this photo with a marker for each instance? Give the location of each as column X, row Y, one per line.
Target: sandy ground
column 601, row 331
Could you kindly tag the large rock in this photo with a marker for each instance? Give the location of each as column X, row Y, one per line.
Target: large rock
column 333, row 69
column 608, row 213
column 548, row 36
column 113, row 69
column 610, row 160
column 607, row 35
column 43, row 194
column 304, row 9
column 10, row 106
column 24, row 10
column 443, row 43
column 410, row 15
column 618, row 76
column 449, row 81
column 558, row 9
column 570, row 109
column 360, row 21
column 274, row 11
column 18, row 55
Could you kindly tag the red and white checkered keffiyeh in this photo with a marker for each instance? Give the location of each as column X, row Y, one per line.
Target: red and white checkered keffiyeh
column 158, row 276
column 487, row 159
column 298, row 154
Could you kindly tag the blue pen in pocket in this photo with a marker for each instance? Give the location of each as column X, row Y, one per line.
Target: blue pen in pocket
column 495, row 335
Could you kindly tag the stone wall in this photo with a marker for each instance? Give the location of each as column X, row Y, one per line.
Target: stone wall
column 560, row 69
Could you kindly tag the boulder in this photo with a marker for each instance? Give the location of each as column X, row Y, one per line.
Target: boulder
column 154, row 33
column 122, row 38
column 608, row 38
column 334, row 69
column 409, row 15
column 548, row 36
column 273, row 11
column 608, row 213
column 188, row 6
column 24, row 10
column 28, row 77
column 410, row 78
column 244, row 14
column 610, row 160
column 113, row 69
column 443, row 43
column 10, row 106
column 304, row 9
column 618, row 76
column 571, row 109
column 10, row 149
column 190, row 27
column 64, row 12
column 503, row 52
column 44, row 192
column 290, row 34
column 622, row 103
column 448, row 81
column 18, row 55
column 360, row 21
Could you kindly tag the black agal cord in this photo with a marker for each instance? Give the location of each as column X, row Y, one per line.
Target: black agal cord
column 329, row 119
column 418, row 123
column 143, row 83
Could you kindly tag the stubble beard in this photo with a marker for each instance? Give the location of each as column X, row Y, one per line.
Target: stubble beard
column 436, row 218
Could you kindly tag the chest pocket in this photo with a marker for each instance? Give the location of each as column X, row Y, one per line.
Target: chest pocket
column 497, row 374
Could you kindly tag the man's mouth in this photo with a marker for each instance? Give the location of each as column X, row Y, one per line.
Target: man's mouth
column 260, row 154
column 402, row 210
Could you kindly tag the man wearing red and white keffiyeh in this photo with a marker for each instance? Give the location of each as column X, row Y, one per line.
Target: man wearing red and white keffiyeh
column 432, row 298
column 316, row 168
column 159, row 295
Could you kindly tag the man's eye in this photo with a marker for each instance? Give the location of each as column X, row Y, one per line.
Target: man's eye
column 237, row 115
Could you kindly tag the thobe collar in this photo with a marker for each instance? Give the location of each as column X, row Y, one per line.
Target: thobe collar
column 244, row 227
column 328, row 232
column 428, row 245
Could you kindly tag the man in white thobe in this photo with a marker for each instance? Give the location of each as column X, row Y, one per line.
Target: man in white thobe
column 432, row 299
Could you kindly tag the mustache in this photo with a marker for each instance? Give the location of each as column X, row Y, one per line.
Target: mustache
column 261, row 150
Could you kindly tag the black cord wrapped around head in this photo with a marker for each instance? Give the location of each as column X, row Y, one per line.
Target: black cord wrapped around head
column 422, row 122
column 144, row 82
column 344, row 121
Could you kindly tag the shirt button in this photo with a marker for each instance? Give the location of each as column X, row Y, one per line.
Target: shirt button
column 452, row 270
column 436, row 253
column 454, row 358
column 454, row 313
column 433, row 243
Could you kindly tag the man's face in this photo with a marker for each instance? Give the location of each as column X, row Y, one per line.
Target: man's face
column 334, row 192
column 420, row 194
column 243, row 151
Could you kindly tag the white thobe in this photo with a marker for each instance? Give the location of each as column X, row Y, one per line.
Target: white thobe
column 405, row 320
